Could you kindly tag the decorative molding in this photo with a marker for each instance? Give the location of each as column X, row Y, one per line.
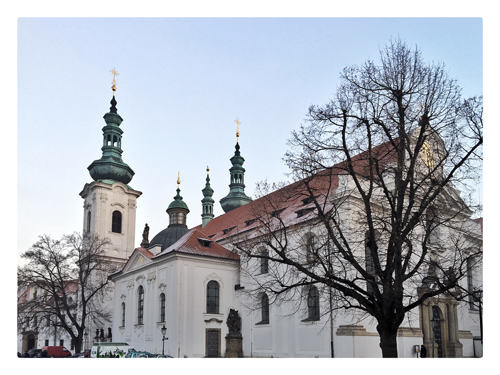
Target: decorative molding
column 354, row 330
column 410, row 332
column 132, row 203
column 130, row 284
column 139, row 329
column 151, row 277
column 162, row 286
column 140, row 279
column 123, row 296
column 117, row 204
column 465, row 335
column 214, row 320
column 103, row 197
column 215, row 277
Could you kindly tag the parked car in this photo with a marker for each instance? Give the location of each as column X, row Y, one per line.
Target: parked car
column 54, row 352
column 84, row 354
column 132, row 354
column 32, row 353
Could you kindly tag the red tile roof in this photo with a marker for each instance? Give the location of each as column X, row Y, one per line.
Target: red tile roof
column 197, row 243
column 291, row 203
column 145, row 252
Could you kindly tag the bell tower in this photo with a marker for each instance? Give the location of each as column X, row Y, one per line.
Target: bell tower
column 109, row 207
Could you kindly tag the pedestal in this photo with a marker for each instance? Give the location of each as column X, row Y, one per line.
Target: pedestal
column 234, row 346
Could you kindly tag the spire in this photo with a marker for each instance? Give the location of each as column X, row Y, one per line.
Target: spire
column 236, row 196
column 110, row 167
column 207, row 202
column 178, row 203
column 177, row 227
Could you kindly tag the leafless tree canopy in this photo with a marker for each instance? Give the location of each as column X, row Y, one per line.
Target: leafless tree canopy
column 378, row 171
column 69, row 277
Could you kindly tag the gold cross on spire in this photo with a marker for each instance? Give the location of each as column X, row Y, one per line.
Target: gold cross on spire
column 115, row 73
column 178, row 179
column 237, row 129
column 208, row 169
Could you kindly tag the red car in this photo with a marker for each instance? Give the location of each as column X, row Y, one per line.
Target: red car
column 55, row 352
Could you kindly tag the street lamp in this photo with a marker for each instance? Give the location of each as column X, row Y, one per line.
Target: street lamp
column 85, row 338
column 163, row 332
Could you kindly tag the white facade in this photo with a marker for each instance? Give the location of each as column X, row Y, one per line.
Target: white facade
column 101, row 200
column 183, row 279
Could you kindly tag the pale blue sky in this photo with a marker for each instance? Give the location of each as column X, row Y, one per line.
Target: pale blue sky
column 182, row 83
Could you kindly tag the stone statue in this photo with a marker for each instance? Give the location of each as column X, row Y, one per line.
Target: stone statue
column 145, row 235
column 234, row 323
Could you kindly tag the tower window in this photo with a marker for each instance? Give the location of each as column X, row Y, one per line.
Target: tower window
column 116, row 224
column 88, row 221
column 178, row 218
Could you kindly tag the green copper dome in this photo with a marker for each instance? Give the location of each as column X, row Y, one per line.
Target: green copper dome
column 111, row 166
column 177, row 212
column 178, row 202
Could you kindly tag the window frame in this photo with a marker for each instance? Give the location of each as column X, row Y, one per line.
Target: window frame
column 116, row 221
column 162, row 307
column 213, row 299
column 313, row 307
column 140, row 305
column 123, row 314
column 264, row 309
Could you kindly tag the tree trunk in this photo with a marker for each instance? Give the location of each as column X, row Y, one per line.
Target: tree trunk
column 388, row 341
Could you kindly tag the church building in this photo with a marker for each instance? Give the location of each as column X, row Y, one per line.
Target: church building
column 214, row 301
column 194, row 283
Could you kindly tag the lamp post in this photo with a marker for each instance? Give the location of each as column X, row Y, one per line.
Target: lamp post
column 163, row 332
column 85, row 338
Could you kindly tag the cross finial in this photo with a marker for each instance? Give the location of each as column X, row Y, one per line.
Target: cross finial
column 237, row 129
column 208, row 169
column 115, row 73
column 178, row 179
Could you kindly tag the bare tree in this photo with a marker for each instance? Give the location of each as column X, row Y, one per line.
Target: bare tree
column 70, row 279
column 378, row 171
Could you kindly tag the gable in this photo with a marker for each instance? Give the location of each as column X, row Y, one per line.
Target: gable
column 138, row 259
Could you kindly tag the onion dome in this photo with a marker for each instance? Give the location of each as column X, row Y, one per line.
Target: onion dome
column 110, row 166
column 177, row 212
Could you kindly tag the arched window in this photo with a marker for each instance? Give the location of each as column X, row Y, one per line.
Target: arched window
column 313, row 303
column 88, row 222
column 116, row 223
column 264, row 308
column 212, row 297
column 123, row 314
column 162, row 307
column 264, row 262
column 140, row 305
